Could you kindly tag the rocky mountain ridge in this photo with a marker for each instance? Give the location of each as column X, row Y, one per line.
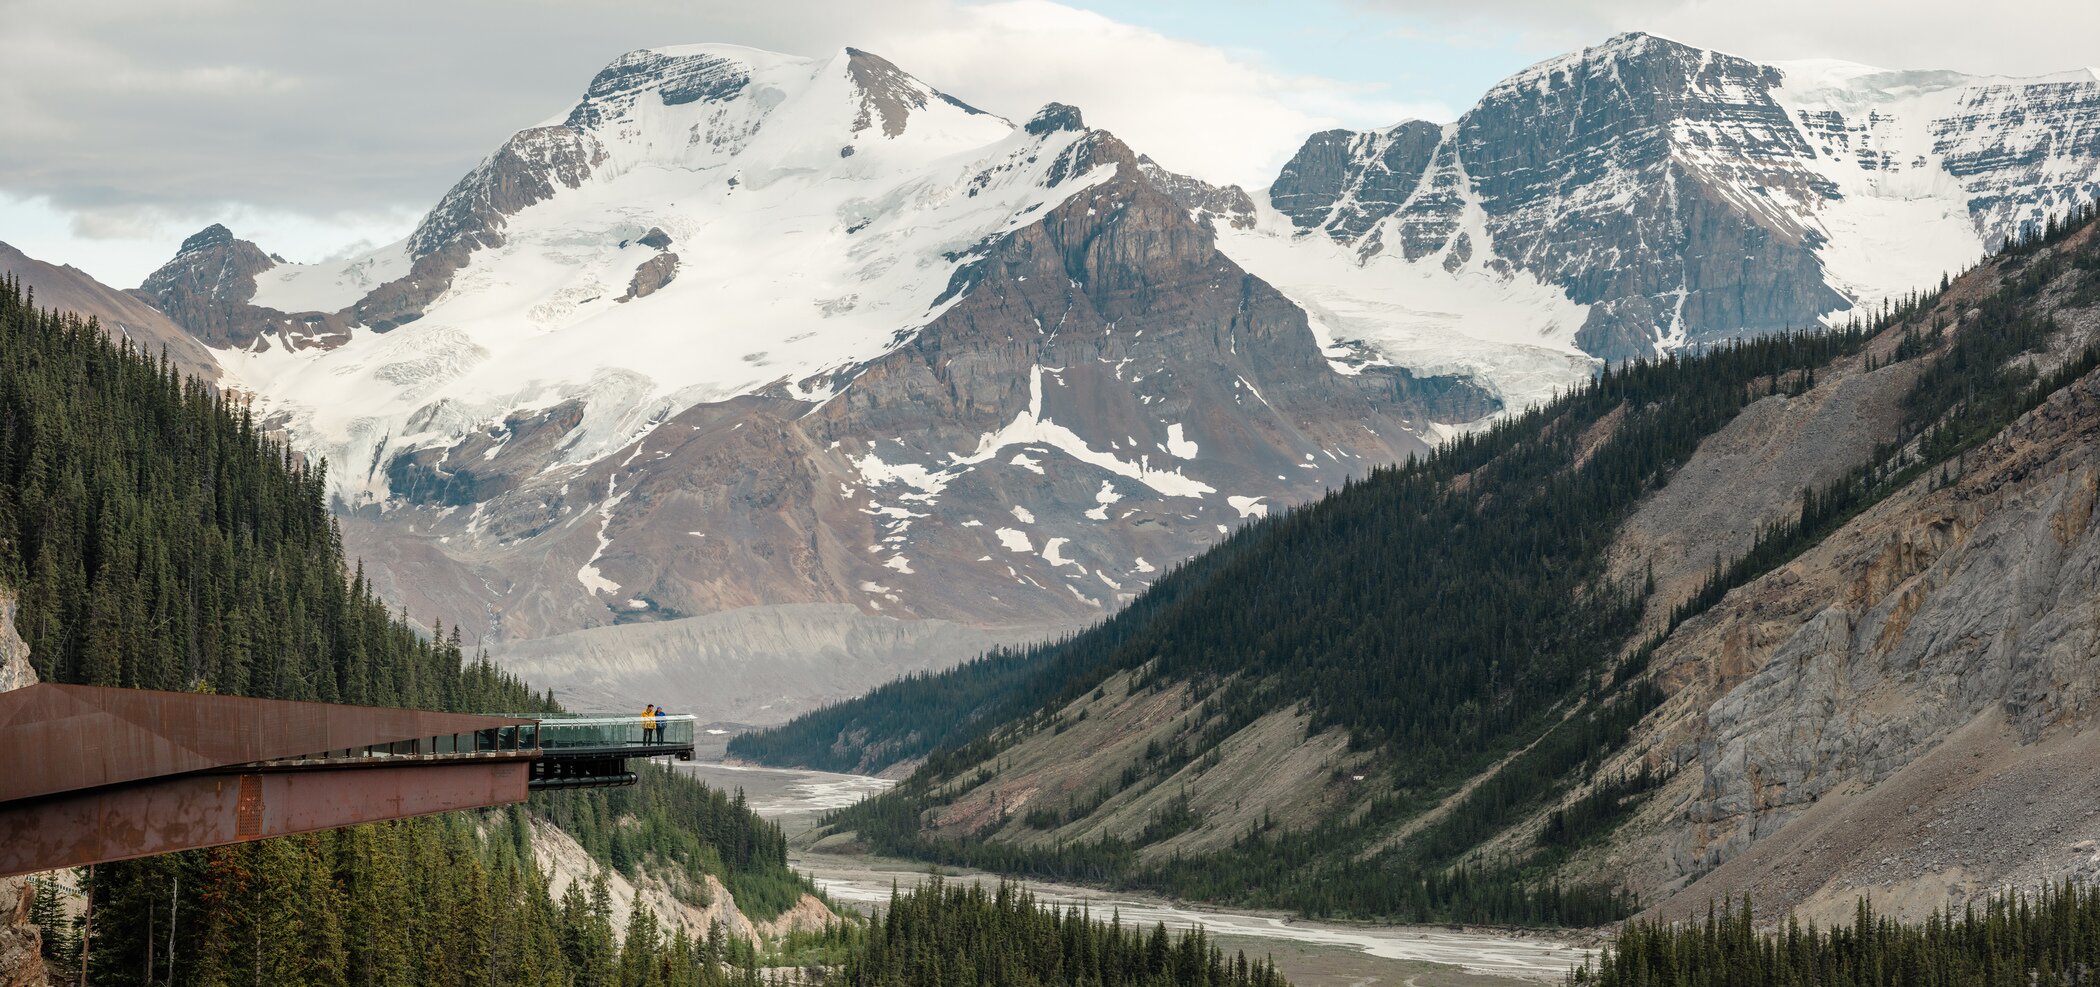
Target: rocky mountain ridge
column 1677, row 195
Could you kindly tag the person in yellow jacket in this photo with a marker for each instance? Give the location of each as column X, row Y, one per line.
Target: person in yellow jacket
column 649, row 724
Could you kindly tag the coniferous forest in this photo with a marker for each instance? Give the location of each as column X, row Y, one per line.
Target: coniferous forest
column 941, row 933
column 2050, row 937
column 156, row 539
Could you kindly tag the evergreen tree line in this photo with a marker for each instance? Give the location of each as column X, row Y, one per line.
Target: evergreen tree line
column 435, row 900
column 940, row 933
column 2015, row 940
column 156, row 538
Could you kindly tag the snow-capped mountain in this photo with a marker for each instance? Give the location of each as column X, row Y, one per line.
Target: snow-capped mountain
column 759, row 355
column 1662, row 196
column 742, row 330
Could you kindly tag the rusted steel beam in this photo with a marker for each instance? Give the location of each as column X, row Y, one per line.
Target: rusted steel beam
column 195, row 811
column 84, row 737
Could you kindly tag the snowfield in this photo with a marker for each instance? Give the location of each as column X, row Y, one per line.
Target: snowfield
column 797, row 261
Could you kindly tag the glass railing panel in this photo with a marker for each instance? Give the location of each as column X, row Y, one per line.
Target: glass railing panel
column 674, row 730
column 556, row 733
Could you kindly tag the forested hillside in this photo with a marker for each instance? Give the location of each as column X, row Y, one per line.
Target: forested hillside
column 156, row 540
column 1449, row 635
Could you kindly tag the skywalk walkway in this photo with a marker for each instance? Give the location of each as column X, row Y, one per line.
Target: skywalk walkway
column 99, row 774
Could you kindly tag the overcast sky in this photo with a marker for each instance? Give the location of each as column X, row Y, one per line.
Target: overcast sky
column 318, row 128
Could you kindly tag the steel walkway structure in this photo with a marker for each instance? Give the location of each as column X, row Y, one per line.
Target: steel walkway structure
column 99, row 774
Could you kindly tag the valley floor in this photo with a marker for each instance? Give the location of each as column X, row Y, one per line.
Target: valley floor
column 1311, row 954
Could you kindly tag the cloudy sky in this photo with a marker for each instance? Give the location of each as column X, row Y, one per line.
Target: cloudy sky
column 316, row 129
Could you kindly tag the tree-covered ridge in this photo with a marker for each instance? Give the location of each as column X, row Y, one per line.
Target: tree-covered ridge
column 2017, row 940
column 157, row 539
column 684, row 831
column 940, row 933
column 1444, row 612
column 1430, row 607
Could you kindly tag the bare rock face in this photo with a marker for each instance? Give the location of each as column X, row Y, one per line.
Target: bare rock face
column 206, row 289
column 1209, row 203
column 1571, row 139
column 15, row 670
column 888, row 95
column 1346, row 182
column 651, row 275
column 1578, row 169
column 21, row 943
column 1974, row 599
column 525, row 170
column 1904, row 709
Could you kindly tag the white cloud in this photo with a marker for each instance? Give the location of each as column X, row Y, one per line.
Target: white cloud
column 1223, row 115
column 295, row 122
column 308, row 127
column 120, row 245
column 2019, row 37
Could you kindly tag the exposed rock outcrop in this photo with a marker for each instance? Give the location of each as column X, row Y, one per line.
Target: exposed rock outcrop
column 651, row 275
column 21, row 943
column 207, row 289
column 1210, row 203
column 566, row 863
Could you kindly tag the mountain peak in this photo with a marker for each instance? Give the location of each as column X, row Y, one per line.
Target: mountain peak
column 891, row 93
column 1054, row 117
column 215, row 235
column 684, row 74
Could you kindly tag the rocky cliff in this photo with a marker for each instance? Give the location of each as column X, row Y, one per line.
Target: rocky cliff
column 1904, row 709
column 21, row 943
